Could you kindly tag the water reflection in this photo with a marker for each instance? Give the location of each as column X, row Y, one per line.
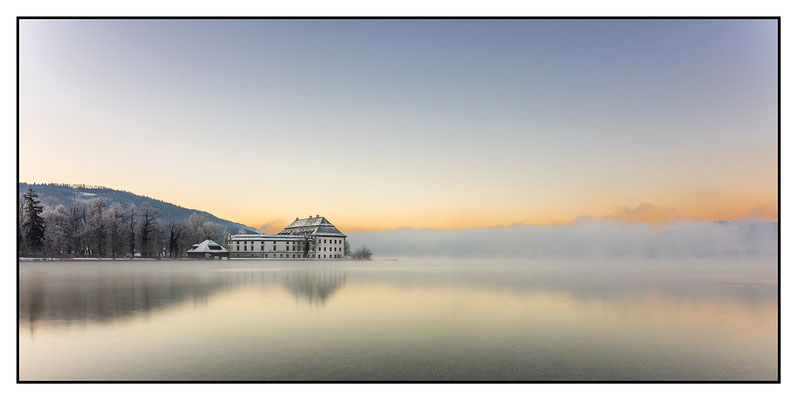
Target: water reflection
column 313, row 285
column 64, row 293
column 414, row 320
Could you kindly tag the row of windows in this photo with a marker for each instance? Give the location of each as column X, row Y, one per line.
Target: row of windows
column 331, row 241
column 274, row 248
column 251, row 255
column 272, row 242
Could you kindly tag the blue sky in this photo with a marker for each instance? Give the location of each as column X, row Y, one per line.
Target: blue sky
column 516, row 121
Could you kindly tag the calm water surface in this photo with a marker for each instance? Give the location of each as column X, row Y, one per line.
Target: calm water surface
column 412, row 319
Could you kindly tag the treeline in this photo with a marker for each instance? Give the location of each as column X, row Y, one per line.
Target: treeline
column 363, row 253
column 97, row 229
column 96, row 187
column 73, row 185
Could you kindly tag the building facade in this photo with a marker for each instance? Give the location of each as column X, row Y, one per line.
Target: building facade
column 310, row 237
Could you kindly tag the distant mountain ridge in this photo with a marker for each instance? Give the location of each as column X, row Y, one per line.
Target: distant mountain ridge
column 66, row 194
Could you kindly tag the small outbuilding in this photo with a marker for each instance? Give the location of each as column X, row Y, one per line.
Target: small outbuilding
column 209, row 250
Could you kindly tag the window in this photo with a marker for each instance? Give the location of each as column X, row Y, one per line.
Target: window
column 237, row 248
column 262, row 247
column 275, row 248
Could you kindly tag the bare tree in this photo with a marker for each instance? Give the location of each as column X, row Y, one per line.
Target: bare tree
column 115, row 221
column 77, row 221
column 95, row 226
column 176, row 236
column 209, row 230
column 200, row 229
column 149, row 228
column 363, row 253
column 131, row 220
column 56, row 236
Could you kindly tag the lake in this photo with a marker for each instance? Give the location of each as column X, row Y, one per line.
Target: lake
column 410, row 319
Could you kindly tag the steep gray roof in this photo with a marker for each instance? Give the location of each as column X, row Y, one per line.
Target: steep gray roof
column 318, row 226
column 208, row 246
column 265, row 237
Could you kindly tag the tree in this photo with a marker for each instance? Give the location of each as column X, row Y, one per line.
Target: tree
column 176, row 237
column 56, row 236
column 200, row 229
column 95, row 226
column 77, row 222
column 21, row 244
column 149, row 228
column 195, row 222
column 115, row 222
column 130, row 220
column 34, row 223
column 346, row 248
column 363, row 253
column 209, row 230
column 306, row 245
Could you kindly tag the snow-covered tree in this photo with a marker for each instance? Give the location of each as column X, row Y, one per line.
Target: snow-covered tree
column 200, row 229
column 56, row 236
column 77, row 223
column 95, row 231
column 115, row 224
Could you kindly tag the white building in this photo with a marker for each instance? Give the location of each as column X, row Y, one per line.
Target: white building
column 303, row 238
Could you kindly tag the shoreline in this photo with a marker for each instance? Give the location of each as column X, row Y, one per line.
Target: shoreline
column 52, row 259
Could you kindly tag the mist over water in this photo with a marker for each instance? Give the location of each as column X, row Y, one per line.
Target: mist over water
column 438, row 318
column 585, row 238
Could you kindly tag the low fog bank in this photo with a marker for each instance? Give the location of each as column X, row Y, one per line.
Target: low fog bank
column 582, row 239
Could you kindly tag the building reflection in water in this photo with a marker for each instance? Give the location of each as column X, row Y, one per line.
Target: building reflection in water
column 315, row 286
column 104, row 294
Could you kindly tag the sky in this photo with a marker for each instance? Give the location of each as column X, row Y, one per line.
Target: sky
column 382, row 124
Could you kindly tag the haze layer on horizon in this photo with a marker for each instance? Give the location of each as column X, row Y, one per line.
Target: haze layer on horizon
column 379, row 124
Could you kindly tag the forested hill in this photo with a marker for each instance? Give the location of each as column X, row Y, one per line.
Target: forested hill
column 53, row 194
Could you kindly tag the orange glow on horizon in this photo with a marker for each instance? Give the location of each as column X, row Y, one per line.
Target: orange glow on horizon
column 658, row 220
